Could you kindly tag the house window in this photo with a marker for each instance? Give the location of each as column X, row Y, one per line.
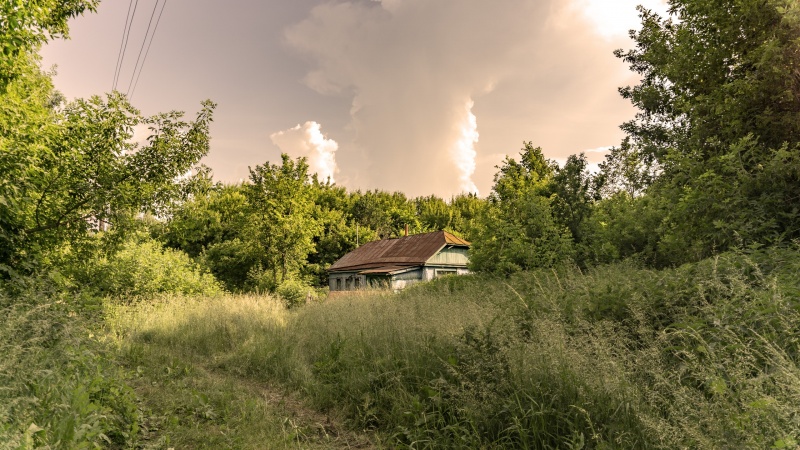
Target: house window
column 443, row 272
column 358, row 282
column 338, row 284
column 348, row 283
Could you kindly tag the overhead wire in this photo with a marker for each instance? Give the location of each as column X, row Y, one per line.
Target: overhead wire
column 141, row 49
column 124, row 44
column 147, row 52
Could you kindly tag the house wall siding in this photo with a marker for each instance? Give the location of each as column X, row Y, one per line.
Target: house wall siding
column 450, row 256
column 433, row 272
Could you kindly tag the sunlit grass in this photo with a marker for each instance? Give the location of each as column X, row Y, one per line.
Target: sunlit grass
column 198, row 324
column 177, row 345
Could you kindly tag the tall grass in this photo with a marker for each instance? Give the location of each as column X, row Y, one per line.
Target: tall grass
column 177, row 347
column 59, row 385
column 703, row 356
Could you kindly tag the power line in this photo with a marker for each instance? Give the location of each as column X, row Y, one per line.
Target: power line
column 147, row 52
column 122, row 42
column 124, row 46
column 141, row 49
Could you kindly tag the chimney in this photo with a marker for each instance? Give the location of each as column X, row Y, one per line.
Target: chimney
column 406, row 229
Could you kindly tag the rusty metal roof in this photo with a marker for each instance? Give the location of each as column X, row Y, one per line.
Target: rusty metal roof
column 402, row 252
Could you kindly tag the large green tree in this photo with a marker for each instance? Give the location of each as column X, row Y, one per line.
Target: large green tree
column 284, row 225
column 518, row 231
column 339, row 232
column 466, row 210
column 573, row 192
column 388, row 213
column 434, row 213
column 719, row 116
column 714, row 72
column 66, row 168
column 206, row 219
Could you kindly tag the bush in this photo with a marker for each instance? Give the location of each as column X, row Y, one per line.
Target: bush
column 294, row 293
column 146, row 269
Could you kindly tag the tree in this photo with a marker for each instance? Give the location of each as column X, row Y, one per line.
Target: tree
column 725, row 69
column 518, row 231
column 66, row 170
column 217, row 215
column 574, row 193
column 339, row 231
column 339, row 234
column 574, row 190
column 627, row 169
column 434, row 214
column 283, row 222
column 27, row 24
column 532, row 174
column 719, row 115
column 466, row 210
column 386, row 213
column 519, row 234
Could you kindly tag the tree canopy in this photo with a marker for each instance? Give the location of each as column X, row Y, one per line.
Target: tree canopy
column 66, row 167
column 719, row 119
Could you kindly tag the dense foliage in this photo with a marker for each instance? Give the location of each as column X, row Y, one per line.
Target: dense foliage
column 719, row 125
column 67, row 168
column 283, row 225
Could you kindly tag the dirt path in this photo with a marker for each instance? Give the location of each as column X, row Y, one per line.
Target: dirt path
column 191, row 404
column 307, row 425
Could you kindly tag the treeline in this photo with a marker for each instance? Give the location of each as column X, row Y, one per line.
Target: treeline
column 284, row 227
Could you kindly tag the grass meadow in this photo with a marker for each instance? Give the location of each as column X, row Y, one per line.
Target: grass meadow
column 701, row 356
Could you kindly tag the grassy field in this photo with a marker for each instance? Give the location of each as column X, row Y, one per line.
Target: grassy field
column 702, row 356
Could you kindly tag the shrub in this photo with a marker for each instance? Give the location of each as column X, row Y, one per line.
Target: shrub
column 294, row 292
column 145, row 269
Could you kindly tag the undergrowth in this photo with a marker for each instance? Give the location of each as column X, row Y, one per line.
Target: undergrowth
column 60, row 387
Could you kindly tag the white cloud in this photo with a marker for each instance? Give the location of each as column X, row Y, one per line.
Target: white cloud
column 423, row 74
column 613, row 19
column 464, row 153
column 308, row 141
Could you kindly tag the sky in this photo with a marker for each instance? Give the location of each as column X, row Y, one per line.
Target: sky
column 419, row 96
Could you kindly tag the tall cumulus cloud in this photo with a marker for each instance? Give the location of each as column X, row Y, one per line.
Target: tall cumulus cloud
column 428, row 78
column 308, row 141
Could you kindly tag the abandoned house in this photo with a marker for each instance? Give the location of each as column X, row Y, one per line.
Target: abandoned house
column 398, row 263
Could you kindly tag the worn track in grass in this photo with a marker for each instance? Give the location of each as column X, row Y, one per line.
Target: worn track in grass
column 197, row 406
